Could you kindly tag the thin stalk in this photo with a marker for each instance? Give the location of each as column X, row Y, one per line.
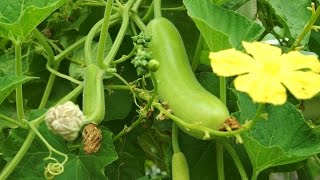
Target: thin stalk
column 18, row 71
column 220, row 160
column 145, row 109
column 306, row 28
column 117, row 87
column 42, row 40
column 50, row 148
column 197, row 54
column 13, row 121
column 236, row 160
column 138, row 21
column 175, row 141
column 53, row 71
column 223, row 88
column 157, row 9
column 207, row 131
column 104, row 32
column 48, row 89
column 117, row 42
column 126, row 57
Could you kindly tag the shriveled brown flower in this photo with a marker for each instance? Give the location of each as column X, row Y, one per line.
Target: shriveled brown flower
column 92, row 137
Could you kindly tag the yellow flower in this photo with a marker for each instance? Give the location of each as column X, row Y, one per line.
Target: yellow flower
column 265, row 73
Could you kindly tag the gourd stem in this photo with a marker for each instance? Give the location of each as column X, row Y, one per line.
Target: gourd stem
column 104, row 32
column 117, row 42
column 88, row 43
column 138, row 21
column 18, row 71
column 220, row 160
column 149, row 13
column 157, row 9
column 175, row 141
column 236, row 160
column 197, row 54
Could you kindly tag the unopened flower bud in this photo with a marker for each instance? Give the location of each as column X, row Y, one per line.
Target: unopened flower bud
column 65, row 120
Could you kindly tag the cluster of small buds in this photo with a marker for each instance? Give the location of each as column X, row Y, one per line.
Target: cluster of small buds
column 142, row 57
column 140, row 61
column 141, row 40
column 66, row 120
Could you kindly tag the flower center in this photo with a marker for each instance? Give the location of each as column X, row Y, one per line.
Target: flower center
column 270, row 67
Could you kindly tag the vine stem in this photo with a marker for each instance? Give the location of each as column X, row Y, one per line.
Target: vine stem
column 117, row 42
column 220, row 160
column 175, row 141
column 126, row 57
column 18, row 71
column 48, row 89
column 31, row 135
column 157, row 8
column 306, row 28
column 104, row 32
column 138, row 21
column 13, row 121
column 236, row 160
column 207, row 131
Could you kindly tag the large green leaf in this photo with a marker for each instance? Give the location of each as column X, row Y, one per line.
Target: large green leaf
column 79, row 165
column 9, row 83
column 282, row 139
column 293, row 14
column 19, row 18
column 222, row 28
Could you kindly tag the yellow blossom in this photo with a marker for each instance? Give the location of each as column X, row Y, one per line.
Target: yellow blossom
column 265, row 73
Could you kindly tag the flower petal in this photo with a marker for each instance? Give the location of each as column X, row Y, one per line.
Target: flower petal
column 231, row 62
column 262, row 89
column 294, row 60
column 261, row 51
column 303, row 85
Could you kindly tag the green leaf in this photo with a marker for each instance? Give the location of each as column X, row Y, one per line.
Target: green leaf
column 293, row 15
column 118, row 104
column 79, row 165
column 9, row 83
column 282, row 139
column 222, row 28
column 209, row 81
column 19, row 18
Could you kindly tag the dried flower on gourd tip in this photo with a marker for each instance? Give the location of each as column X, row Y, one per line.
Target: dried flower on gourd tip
column 92, row 137
column 65, row 119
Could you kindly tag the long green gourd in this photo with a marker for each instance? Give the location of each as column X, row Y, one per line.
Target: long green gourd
column 93, row 95
column 177, row 85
